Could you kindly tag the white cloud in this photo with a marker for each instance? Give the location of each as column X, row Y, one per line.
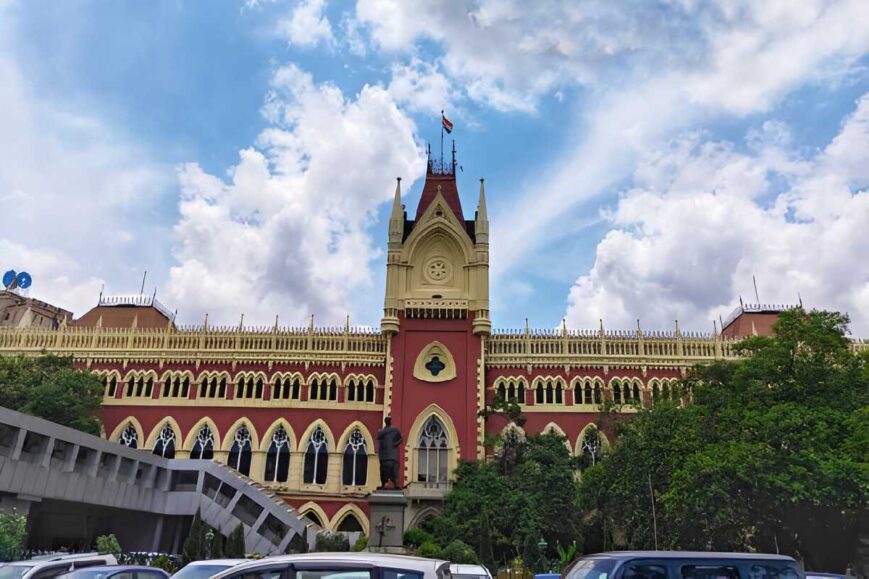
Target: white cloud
column 421, row 87
column 78, row 199
column 307, row 25
column 650, row 70
column 286, row 233
column 696, row 227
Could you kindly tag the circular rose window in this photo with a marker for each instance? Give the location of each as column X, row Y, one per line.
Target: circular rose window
column 438, row 270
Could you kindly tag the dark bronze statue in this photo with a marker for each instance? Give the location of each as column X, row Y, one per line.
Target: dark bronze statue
column 388, row 441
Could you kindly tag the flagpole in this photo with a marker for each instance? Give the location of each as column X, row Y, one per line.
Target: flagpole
column 442, row 139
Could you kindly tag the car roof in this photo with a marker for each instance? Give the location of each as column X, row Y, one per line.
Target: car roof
column 119, row 568
column 217, row 562
column 688, row 555
column 468, row 568
column 379, row 559
column 54, row 557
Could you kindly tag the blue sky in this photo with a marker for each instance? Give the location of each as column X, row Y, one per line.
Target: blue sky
column 642, row 160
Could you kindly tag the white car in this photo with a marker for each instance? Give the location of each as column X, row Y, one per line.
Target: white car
column 205, row 569
column 51, row 566
column 340, row 566
column 463, row 571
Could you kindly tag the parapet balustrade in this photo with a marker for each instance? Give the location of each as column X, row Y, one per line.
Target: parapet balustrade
column 362, row 345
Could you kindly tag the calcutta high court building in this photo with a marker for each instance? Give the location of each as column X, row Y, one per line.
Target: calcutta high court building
column 297, row 409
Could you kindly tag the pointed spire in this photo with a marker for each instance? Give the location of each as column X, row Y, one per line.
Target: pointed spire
column 396, row 218
column 481, row 223
column 481, row 204
column 396, row 201
column 678, row 331
column 563, row 326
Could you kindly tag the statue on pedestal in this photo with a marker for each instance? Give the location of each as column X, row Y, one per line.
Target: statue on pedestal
column 388, row 442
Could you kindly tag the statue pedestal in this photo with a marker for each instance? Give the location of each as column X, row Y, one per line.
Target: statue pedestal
column 386, row 523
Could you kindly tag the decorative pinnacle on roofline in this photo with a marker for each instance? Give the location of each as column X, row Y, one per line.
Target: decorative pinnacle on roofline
column 440, row 166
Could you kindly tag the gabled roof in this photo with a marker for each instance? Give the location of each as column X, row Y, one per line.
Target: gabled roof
column 449, row 190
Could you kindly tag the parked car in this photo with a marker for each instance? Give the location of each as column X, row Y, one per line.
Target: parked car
column 205, row 569
column 339, row 566
column 51, row 566
column 683, row 565
column 463, row 571
column 117, row 572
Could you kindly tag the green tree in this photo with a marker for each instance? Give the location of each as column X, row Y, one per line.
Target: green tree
column 501, row 506
column 194, row 545
column 52, row 388
column 13, row 532
column 108, row 545
column 770, row 454
column 234, row 548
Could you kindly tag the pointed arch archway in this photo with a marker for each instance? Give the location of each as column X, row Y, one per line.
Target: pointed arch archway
column 160, row 442
column 193, row 433
column 358, row 465
column 415, row 436
column 312, row 507
column 555, row 428
column 350, row 510
column 122, row 425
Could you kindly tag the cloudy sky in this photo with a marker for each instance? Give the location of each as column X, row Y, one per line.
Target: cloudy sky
column 642, row 159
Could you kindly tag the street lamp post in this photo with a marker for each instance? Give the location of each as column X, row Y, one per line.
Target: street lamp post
column 209, row 540
column 541, row 545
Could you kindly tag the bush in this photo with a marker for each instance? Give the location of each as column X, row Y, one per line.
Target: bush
column 163, row 562
column 108, row 545
column 361, row 544
column 459, row 552
column 329, row 541
column 429, row 549
column 13, row 532
column 416, row 537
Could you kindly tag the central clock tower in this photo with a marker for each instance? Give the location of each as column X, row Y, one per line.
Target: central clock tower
column 436, row 317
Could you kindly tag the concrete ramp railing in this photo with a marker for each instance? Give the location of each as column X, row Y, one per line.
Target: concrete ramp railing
column 41, row 460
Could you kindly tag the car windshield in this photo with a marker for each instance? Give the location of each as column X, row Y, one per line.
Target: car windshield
column 469, row 576
column 592, row 569
column 88, row 574
column 199, row 571
column 14, row 571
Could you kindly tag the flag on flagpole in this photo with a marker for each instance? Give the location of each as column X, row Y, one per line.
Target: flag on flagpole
column 447, row 124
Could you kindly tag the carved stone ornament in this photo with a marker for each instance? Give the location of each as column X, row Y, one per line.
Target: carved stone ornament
column 434, row 364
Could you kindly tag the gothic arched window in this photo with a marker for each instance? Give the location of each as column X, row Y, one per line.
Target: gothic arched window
column 316, row 458
column 111, row 386
column 278, row 457
column 432, row 453
column 617, row 392
column 129, row 437
column 240, row 453
column 165, row 445
column 355, row 471
column 203, row 446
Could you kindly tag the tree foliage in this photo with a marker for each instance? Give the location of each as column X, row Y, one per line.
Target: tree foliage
column 234, row 548
column 13, row 532
column 501, row 508
column 108, row 545
column 202, row 542
column 51, row 388
column 770, row 454
column 329, row 541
